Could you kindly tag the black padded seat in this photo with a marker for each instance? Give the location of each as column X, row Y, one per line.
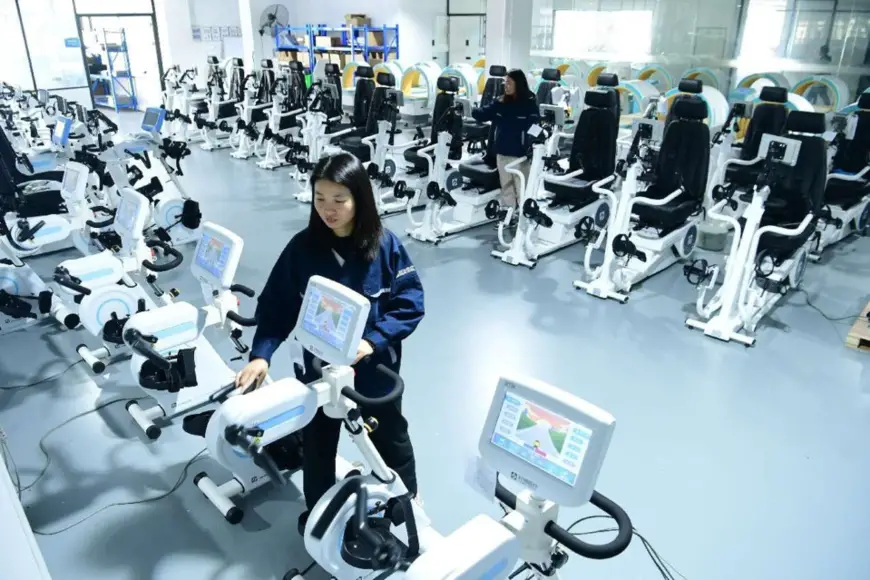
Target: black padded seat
column 448, row 87
column 355, row 146
column 801, row 189
column 492, row 91
column 593, row 149
column 852, row 156
column 769, row 118
column 482, row 174
column 683, row 161
column 550, row 79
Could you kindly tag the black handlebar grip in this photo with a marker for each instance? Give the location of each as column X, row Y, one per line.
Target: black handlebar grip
column 596, row 551
column 64, row 278
column 143, row 346
column 242, row 289
column 397, row 391
column 241, row 320
column 177, row 257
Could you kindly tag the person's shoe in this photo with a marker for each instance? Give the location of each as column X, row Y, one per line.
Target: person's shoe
column 303, row 520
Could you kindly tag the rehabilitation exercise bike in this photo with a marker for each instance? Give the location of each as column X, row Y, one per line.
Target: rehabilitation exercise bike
column 570, row 208
column 259, row 90
column 175, row 217
column 657, row 212
column 100, row 288
column 218, row 127
column 247, row 432
column 770, row 245
column 846, row 206
column 544, row 440
column 171, row 360
column 281, row 129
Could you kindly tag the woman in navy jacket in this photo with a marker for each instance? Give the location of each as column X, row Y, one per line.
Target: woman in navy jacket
column 345, row 242
column 511, row 115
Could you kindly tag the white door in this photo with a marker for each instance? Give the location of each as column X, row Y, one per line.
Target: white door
column 467, row 38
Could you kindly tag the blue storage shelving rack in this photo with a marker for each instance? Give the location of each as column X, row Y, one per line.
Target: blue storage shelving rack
column 117, row 80
column 353, row 40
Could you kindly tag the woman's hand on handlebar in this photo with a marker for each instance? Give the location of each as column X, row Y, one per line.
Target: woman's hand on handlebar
column 365, row 349
column 254, row 373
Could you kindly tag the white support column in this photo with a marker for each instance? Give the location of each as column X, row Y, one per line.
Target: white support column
column 176, row 38
column 509, row 33
column 248, row 16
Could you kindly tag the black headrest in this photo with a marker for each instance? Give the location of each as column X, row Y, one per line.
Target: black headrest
column 551, row 74
column 806, row 122
column 687, row 107
column 295, row 65
column 605, row 99
column 237, row 62
column 774, row 94
column 266, row 63
column 608, row 80
column 693, row 86
column 211, row 59
column 364, row 72
column 386, row 79
column 448, row 84
column 864, row 101
column 497, row 70
column 331, row 69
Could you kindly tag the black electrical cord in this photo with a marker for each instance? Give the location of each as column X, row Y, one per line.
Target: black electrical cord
column 181, row 479
column 41, row 381
column 826, row 316
column 664, row 567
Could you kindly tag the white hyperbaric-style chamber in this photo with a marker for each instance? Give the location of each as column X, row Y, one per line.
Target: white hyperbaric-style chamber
column 419, row 87
column 469, row 80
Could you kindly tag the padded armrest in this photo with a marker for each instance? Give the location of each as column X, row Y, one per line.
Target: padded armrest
column 849, row 176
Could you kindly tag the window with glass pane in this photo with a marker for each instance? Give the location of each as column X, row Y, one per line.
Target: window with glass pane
column 55, row 49
column 113, row 7
column 13, row 66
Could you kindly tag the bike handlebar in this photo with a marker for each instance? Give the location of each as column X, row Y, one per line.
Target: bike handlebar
column 144, row 345
column 177, row 257
column 397, row 391
column 235, row 316
column 592, row 551
column 67, row 280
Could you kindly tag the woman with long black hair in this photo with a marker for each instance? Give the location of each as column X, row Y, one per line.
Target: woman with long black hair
column 345, row 242
column 512, row 116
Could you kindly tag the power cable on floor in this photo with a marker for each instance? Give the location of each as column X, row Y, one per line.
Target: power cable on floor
column 181, row 479
column 44, row 451
column 665, row 568
column 826, row 316
column 42, row 381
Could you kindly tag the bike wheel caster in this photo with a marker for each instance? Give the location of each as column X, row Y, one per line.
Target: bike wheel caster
column 153, row 432
column 235, row 515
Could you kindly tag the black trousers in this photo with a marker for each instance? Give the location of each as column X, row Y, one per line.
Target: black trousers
column 320, row 447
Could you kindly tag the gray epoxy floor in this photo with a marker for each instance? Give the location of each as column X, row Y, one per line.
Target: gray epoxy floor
column 733, row 462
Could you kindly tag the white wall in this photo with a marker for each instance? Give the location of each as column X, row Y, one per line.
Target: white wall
column 215, row 13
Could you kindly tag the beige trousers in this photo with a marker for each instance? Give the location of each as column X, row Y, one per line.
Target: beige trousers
column 510, row 183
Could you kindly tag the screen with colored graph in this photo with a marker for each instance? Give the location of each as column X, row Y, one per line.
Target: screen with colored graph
column 541, row 438
column 328, row 318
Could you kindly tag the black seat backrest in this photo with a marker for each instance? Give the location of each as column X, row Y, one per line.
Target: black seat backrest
column 800, row 190
column 550, row 79
column 267, row 81
column 594, row 146
column 684, row 157
column 687, row 88
column 362, row 98
column 385, row 82
column 447, row 88
column 333, row 76
column 611, row 80
column 298, row 90
column 237, row 82
column 853, row 155
column 494, row 87
column 769, row 116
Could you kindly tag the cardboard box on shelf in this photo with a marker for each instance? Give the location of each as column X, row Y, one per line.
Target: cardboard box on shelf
column 376, row 38
column 357, row 20
column 327, row 41
column 293, row 55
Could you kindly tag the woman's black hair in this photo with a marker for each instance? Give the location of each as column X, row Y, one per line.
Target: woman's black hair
column 521, row 82
column 345, row 169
